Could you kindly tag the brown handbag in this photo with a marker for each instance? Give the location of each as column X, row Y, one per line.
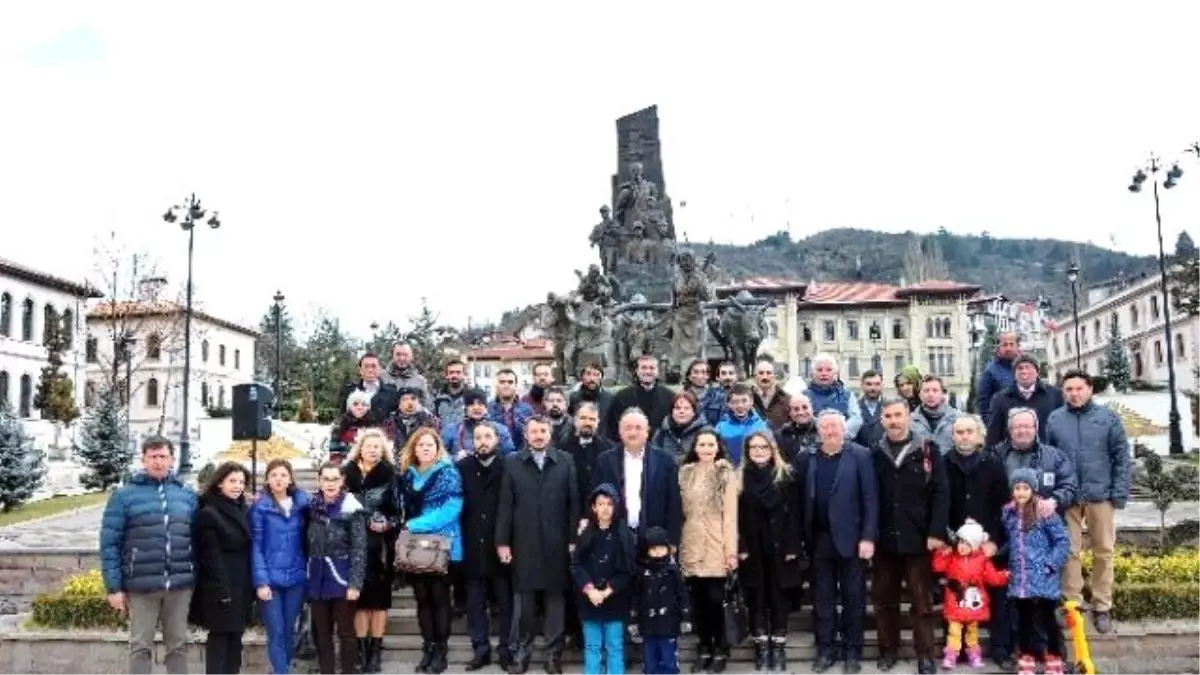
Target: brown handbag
column 422, row 553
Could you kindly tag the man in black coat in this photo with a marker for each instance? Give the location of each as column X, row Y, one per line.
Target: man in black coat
column 585, row 445
column 647, row 394
column 840, row 502
column 536, row 526
column 591, row 391
column 1026, row 391
column 914, row 509
column 384, row 397
column 482, row 477
column 647, row 478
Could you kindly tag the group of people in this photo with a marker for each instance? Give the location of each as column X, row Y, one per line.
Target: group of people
column 640, row 513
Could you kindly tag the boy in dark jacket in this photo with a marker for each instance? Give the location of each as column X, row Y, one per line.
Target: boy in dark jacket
column 602, row 568
column 661, row 608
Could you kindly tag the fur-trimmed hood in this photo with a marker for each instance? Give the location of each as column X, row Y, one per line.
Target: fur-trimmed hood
column 723, row 475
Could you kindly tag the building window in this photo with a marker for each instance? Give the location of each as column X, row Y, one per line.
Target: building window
column 1133, row 317
column 805, row 332
column 1115, row 320
column 946, row 328
column 204, row 351
column 26, row 402
column 68, row 326
column 204, row 394
column 1154, row 312
column 1158, row 353
column 221, row 355
column 89, row 394
column 941, row 361
column 1096, row 331
column 6, row 314
column 152, row 393
column 4, row 400
column 899, row 364
column 807, row 367
column 877, row 364
column 852, row 366
column 154, row 347
column 49, row 324
column 221, row 396
column 237, row 359
column 27, row 320
column 90, row 348
column 875, row 332
column 830, row 331
column 1083, row 337
column 897, row 329
column 851, row 329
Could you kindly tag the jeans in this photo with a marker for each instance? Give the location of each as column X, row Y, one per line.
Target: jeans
column 606, row 636
column 432, row 592
column 478, row 619
column 279, row 615
column 223, row 653
column 146, row 612
column 660, row 655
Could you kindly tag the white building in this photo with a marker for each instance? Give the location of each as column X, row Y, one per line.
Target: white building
column 222, row 356
column 29, row 301
column 1136, row 306
column 1027, row 319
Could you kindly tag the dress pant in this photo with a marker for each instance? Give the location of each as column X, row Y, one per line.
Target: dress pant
column 146, row 612
column 708, row 613
column 328, row 616
column 1000, row 626
column 432, row 593
column 223, row 653
column 525, row 620
column 838, row 581
column 478, row 614
column 1100, row 518
column 890, row 569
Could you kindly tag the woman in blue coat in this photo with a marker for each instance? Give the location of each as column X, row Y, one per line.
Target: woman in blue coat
column 431, row 495
column 279, row 566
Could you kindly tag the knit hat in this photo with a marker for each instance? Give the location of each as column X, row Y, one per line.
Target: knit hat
column 1026, row 358
column 656, row 536
column 401, row 392
column 972, row 533
column 1023, row 475
column 472, row 396
column 358, row 396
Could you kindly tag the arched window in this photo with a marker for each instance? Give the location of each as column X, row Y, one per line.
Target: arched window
column 25, row 407
column 27, row 320
column 152, row 393
column 221, row 396
column 929, row 328
column 204, row 351
column 946, row 328
column 6, row 314
column 68, row 326
column 204, row 394
column 154, row 346
column 49, row 324
column 877, row 364
column 5, row 401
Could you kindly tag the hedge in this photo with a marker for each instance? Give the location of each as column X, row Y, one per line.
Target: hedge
column 1181, row 566
column 1156, row 601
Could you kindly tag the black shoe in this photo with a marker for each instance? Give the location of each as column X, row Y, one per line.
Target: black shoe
column 852, row 667
column 926, row 666
column 885, row 663
column 438, row 663
column 720, row 660
column 375, row 658
column 504, row 657
column 823, row 663
column 777, row 657
column 761, row 654
column 426, row 657
column 1006, row 664
column 481, row 659
column 364, row 654
column 554, row 663
column 520, row 664
column 703, row 662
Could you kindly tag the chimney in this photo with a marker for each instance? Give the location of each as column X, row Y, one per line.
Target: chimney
column 902, row 283
column 150, row 289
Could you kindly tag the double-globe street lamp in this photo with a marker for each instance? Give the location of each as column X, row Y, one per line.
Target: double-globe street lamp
column 1154, row 166
column 277, row 309
column 1073, row 277
column 188, row 214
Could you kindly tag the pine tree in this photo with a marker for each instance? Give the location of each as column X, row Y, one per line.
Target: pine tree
column 55, row 395
column 427, row 339
column 983, row 356
column 103, row 446
column 22, row 467
column 1184, row 277
column 1116, row 361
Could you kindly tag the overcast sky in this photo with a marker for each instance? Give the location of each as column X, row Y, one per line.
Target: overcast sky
column 363, row 155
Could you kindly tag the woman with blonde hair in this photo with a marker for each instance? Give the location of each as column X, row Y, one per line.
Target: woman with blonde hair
column 370, row 477
column 431, row 493
column 770, row 546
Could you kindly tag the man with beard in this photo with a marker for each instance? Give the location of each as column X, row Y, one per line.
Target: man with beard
column 543, row 379
column 488, row 586
column 383, row 395
column 409, row 417
column 402, row 374
column 590, row 391
column 998, row 374
column 871, row 430
column 448, row 405
column 914, row 508
column 711, row 398
column 459, row 438
column 585, row 444
column 769, row 400
column 934, row 419
column 727, row 375
column 649, row 395
column 799, row 436
column 507, row 409
column 555, row 401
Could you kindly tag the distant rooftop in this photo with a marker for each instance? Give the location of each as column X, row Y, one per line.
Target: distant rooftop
column 126, row 309
column 45, row 280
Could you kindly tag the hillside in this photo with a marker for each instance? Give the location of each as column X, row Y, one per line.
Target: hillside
column 1022, row 269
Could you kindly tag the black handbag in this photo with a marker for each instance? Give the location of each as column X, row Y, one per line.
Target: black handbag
column 736, row 616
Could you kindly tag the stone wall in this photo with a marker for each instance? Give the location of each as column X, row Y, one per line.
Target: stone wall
column 27, row 573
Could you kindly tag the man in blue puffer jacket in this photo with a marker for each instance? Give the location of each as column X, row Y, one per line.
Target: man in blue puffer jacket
column 998, row 374
column 740, row 421
column 146, row 556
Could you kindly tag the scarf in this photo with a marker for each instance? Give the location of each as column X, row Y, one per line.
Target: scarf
column 322, row 510
column 758, row 486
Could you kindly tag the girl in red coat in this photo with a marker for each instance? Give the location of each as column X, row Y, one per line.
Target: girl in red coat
column 968, row 571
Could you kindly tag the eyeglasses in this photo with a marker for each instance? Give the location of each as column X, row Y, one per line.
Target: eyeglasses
column 758, row 446
column 328, row 479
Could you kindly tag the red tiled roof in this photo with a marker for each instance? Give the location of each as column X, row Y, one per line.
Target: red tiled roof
column 531, row 350
column 845, row 292
column 937, row 287
column 849, row 293
column 127, row 309
column 18, row 271
column 980, row 299
column 766, row 284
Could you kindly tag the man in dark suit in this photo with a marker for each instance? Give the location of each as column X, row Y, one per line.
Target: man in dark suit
column 1027, row 391
column 647, row 394
column 385, row 399
column 839, row 499
column 647, row 478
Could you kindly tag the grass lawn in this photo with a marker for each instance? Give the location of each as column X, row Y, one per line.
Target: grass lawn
column 50, row 507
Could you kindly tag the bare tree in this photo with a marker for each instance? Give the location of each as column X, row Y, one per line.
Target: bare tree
column 923, row 261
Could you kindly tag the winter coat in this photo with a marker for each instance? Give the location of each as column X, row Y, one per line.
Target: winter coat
column 513, row 417
column 383, row 402
column 734, row 431
column 796, row 440
column 709, row 496
column 1036, row 556
column 1046, row 399
column 602, row 400
column 538, row 518
column 460, row 437
column 943, row 433
column 585, row 456
column 996, row 375
column 659, row 489
column 853, row 499
column 146, row 536
column 1094, row 440
column 978, row 491
column 777, row 411
column 1056, row 475
column 768, row 538
column 433, row 503
column 345, row 432
column 449, row 407
column 713, row 403
column 400, row 427
column 677, row 441
column 914, row 499
column 835, row 396
column 655, row 403
column 660, row 601
column 968, row 577
column 278, row 557
column 604, row 558
column 376, row 492
column 481, row 500
column 337, row 546
column 408, row 378
column 224, row 597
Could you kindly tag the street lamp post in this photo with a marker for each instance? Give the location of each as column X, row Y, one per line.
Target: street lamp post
column 188, row 214
column 278, row 309
column 1172, row 179
column 127, row 342
column 1073, row 277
